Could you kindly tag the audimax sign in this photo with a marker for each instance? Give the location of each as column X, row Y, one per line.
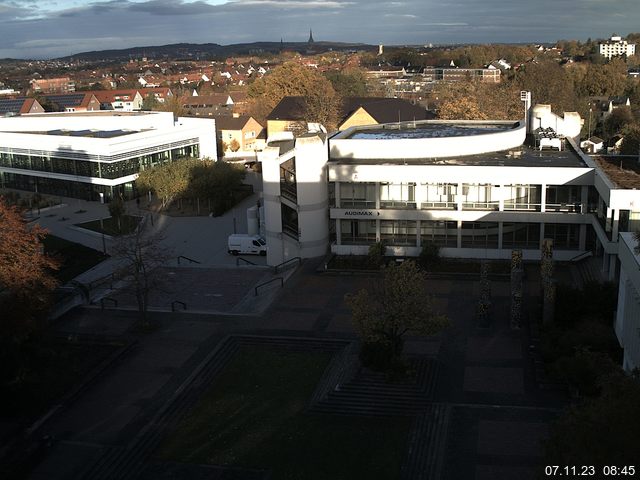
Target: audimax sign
column 362, row 213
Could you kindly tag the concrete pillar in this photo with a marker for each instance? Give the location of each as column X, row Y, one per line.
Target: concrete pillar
column 613, row 259
column 271, row 205
column 336, row 191
column 378, row 228
column 541, row 236
column 543, row 197
column 615, row 224
column 378, row 200
column 502, row 193
column 419, row 195
column 583, row 238
column 338, row 231
column 608, row 220
column 459, row 233
column 460, row 200
column 584, row 199
column 500, row 230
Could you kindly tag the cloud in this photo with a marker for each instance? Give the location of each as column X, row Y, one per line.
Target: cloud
column 37, row 29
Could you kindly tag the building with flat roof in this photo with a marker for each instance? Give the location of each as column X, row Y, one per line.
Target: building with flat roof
column 95, row 155
column 616, row 47
column 477, row 189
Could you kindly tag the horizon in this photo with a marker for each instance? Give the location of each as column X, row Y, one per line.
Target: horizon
column 52, row 29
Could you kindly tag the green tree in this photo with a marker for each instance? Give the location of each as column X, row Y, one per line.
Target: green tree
column 601, row 431
column 168, row 181
column 117, row 209
column 429, row 255
column 631, row 140
column 150, row 102
column 349, row 83
column 216, row 182
column 617, row 121
column 293, row 79
column 394, row 305
column 548, row 83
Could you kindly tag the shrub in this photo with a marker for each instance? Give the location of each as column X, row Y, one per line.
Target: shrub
column 376, row 254
column 429, row 255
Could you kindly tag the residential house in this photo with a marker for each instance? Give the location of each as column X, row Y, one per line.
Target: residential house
column 53, row 85
column 208, row 105
column 19, row 106
column 245, row 130
column 592, row 145
column 161, row 94
column 290, row 113
column 121, row 100
column 74, row 102
column 604, row 106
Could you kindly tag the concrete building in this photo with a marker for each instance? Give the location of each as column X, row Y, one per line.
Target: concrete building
column 95, row 155
column 616, row 47
column 627, row 324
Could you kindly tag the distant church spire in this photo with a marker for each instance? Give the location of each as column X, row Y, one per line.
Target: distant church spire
column 310, row 36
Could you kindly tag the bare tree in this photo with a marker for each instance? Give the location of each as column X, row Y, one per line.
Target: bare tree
column 143, row 257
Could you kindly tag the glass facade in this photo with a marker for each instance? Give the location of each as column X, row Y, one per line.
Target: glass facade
column 443, row 233
column 398, row 232
column 564, row 236
column 83, row 168
column 480, row 235
column 358, row 232
column 398, row 195
column 521, row 235
column 358, row 195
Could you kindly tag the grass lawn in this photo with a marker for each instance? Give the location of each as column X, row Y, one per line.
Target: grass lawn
column 109, row 226
column 50, row 368
column 252, row 417
column 75, row 258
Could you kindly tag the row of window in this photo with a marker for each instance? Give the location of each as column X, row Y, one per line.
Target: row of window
column 445, row 233
column 445, row 196
column 84, row 168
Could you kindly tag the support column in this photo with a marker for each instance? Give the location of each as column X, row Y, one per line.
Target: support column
column 584, row 199
column 459, row 198
column 377, row 230
column 418, row 195
column 502, row 191
column 543, row 198
column 378, row 201
column 615, row 224
column 500, row 230
column 336, row 191
column 583, row 238
column 418, row 236
column 541, row 236
column 612, row 267
column 338, row 231
column 459, row 234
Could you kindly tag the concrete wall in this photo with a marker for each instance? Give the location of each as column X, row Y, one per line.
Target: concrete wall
column 394, row 148
column 627, row 320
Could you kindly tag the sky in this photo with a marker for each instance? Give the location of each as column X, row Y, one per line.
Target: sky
column 53, row 28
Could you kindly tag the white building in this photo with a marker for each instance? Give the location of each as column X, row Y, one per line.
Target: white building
column 93, row 155
column 627, row 324
column 616, row 47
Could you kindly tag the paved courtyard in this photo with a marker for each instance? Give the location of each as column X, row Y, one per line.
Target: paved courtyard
column 496, row 415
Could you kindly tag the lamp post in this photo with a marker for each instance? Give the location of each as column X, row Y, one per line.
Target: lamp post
column 589, row 132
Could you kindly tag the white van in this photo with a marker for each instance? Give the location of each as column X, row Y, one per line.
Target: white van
column 242, row 243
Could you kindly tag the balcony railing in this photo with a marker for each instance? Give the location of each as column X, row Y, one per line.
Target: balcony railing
column 439, row 205
column 357, row 204
column 529, row 207
column 480, row 206
column 398, row 204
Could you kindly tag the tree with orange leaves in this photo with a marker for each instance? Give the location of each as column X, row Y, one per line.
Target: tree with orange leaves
column 25, row 274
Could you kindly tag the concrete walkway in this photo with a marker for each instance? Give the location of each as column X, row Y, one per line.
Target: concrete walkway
column 203, row 239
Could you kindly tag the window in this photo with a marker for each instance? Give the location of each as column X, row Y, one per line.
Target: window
column 477, row 196
column 522, row 197
column 357, row 232
column 440, row 232
column 521, row 235
column 358, row 195
column 398, row 232
column 564, row 236
column 479, row 235
column 397, row 195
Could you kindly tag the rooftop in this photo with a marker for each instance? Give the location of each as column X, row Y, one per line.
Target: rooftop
column 522, row 156
column 431, row 130
column 83, row 133
column 623, row 172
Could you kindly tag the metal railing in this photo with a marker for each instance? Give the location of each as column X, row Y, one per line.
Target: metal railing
column 239, row 259
column 178, row 302
column 581, row 256
column 280, row 279
column 285, row 263
column 190, row 260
